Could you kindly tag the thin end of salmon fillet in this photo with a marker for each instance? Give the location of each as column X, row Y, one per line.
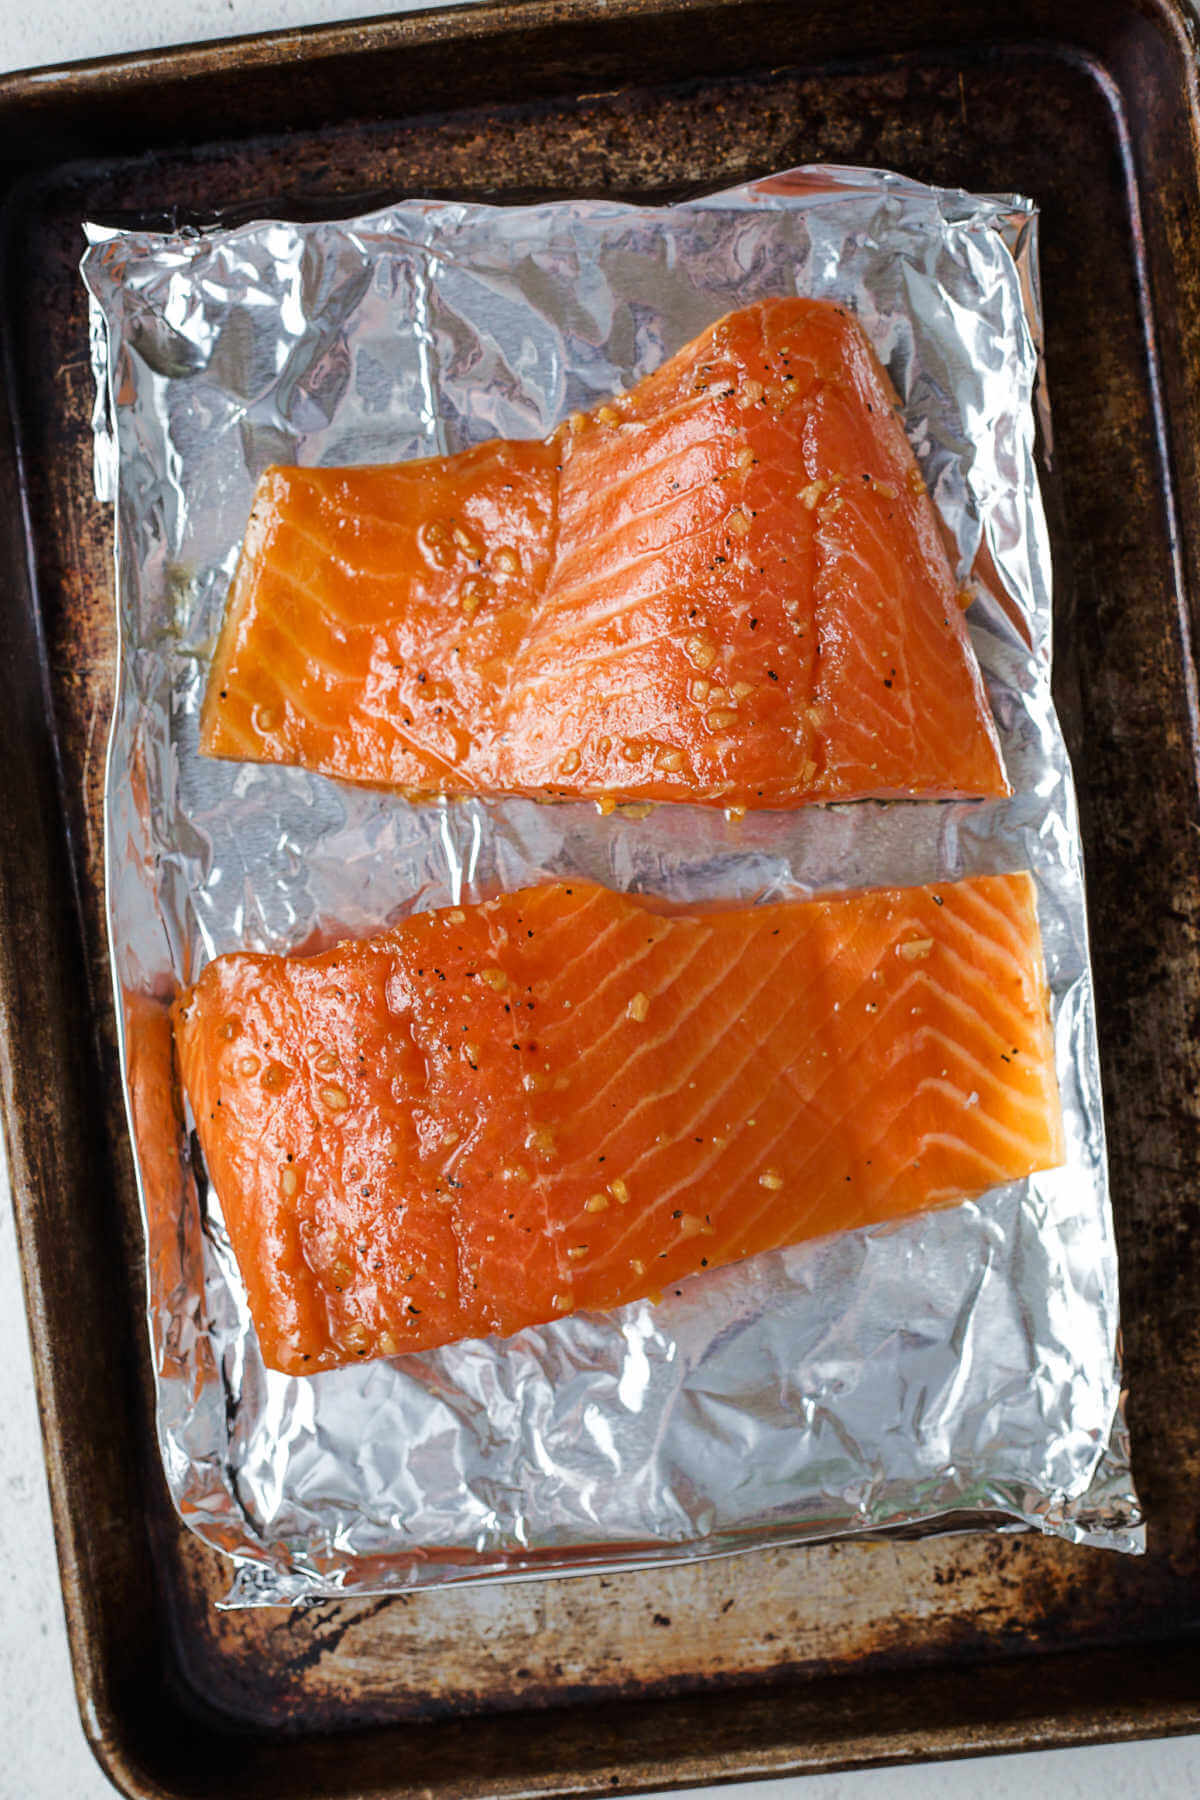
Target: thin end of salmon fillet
column 727, row 586
column 561, row 1099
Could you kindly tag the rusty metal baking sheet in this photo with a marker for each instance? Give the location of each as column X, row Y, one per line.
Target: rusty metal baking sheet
column 962, row 1363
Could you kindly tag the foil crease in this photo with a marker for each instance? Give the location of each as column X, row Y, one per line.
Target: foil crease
column 962, row 1366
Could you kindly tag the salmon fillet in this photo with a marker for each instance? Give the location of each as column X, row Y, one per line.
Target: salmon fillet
column 565, row 1097
column 726, row 586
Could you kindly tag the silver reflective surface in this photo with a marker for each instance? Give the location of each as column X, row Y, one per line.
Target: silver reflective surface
column 964, row 1362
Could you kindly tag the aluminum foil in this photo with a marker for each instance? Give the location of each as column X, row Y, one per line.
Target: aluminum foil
column 959, row 1366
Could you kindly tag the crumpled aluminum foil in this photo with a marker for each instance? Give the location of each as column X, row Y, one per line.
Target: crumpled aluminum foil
column 962, row 1365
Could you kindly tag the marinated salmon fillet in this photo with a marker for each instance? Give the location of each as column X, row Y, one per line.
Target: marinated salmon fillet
column 725, row 586
column 562, row 1098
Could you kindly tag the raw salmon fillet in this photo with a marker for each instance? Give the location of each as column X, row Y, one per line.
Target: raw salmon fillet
column 564, row 1098
column 727, row 586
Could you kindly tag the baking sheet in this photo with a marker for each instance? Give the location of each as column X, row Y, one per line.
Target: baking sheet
column 963, row 1363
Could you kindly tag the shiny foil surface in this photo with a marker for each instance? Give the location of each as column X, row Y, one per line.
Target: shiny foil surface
column 960, row 1366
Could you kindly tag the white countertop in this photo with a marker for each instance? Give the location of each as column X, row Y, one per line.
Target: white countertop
column 43, row 1753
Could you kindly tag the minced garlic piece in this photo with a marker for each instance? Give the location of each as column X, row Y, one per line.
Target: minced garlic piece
column 915, row 948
